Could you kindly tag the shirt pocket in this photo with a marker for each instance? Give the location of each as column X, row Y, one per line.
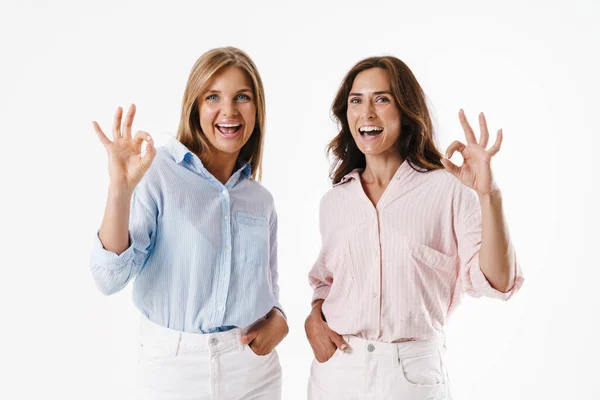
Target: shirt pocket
column 434, row 274
column 341, row 300
column 252, row 245
column 433, row 266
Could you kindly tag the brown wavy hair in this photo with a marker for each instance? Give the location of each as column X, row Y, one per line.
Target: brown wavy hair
column 416, row 142
column 190, row 133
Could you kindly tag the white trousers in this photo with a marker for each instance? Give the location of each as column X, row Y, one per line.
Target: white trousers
column 216, row 366
column 377, row 371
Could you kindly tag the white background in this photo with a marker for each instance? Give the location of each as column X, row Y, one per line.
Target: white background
column 531, row 66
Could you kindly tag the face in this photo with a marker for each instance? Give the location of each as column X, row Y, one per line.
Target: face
column 373, row 115
column 228, row 111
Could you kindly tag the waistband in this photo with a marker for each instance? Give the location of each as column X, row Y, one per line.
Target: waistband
column 202, row 342
column 374, row 349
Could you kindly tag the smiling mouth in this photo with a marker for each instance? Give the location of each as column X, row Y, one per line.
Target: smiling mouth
column 370, row 131
column 229, row 129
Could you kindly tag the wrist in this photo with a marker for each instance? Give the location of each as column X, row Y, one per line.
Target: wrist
column 492, row 197
column 317, row 310
column 119, row 192
column 275, row 312
column 317, row 303
column 280, row 321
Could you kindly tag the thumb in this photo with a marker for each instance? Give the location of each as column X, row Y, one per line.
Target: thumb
column 450, row 166
column 249, row 336
column 339, row 341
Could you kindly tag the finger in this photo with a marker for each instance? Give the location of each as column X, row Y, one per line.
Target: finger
column 128, row 121
column 117, row 124
column 105, row 141
column 496, row 147
column 146, row 161
column 324, row 353
column 249, row 336
column 139, row 139
column 339, row 341
column 455, row 146
column 450, row 166
column 469, row 135
column 253, row 331
column 484, row 134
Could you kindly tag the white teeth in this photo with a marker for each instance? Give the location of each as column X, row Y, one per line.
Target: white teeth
column 370, row 129
column 229, row 125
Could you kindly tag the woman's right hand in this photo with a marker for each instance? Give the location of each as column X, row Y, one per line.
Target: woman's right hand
column 126, row 167
column 323, row 340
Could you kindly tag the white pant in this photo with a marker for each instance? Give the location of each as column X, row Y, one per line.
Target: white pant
column 377, row 371
column 190, row 366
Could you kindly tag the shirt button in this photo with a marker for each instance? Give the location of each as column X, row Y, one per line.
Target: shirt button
column 214, row 341
column 221, row 308
column 374, row 295
column 227, row 248
column 370, row 348
column 227, row 218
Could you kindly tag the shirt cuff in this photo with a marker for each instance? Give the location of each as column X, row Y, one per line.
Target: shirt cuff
column 321, row 293
column 482, row 286
column 109, row 260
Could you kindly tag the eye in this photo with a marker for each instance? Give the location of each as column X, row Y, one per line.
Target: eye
column 355, row 100
column 243, row 97
column 382, row 100
column 212, row 97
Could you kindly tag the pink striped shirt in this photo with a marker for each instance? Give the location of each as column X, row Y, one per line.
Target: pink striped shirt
column 398, row 270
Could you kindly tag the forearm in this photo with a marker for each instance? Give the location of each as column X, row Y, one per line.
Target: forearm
column 496, row 256
column 114, row 231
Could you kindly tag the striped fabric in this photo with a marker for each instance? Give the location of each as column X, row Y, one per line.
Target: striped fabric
column 203, row 254
column 396, row 271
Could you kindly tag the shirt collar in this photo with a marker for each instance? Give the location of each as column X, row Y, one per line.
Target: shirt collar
column 354, row 174
column 179, row 152
column 405, row 171
column 246, row 168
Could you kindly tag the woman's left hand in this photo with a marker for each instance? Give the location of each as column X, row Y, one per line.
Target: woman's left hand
column 268, row 332
column 476, row 171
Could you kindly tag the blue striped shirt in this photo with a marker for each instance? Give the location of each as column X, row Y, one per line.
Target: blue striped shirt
column 203, row 254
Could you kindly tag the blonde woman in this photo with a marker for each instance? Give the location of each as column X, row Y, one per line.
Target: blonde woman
column 405, row 234
column 191, row 225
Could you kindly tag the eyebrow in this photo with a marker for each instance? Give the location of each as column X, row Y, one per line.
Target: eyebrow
column 379, row 92
column 239, row 91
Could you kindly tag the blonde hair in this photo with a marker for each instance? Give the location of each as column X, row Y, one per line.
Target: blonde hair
column 190, row 133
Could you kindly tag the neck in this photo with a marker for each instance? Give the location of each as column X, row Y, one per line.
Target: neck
column 221, row 166
column 380, row 168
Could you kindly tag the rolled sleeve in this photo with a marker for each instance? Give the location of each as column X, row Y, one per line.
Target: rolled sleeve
column 319, row 278
column 469, row 235
column 321, row 293
column 111, row 271
column 480, row 286
column 107, row 259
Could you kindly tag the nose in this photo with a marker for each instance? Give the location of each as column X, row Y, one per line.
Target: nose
column 368, row 111
column 230, row 109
